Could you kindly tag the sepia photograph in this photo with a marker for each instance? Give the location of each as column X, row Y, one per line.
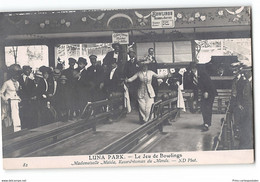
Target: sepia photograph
column 127, row 87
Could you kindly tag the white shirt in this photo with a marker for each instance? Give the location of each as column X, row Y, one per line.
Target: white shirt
column 116, row 55
column 55, row 87
column 24, row 77
column 9, row 90
column 46, row 84
column 112, row 73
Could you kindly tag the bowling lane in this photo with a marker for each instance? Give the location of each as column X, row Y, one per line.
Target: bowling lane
column 185, row 134
column 88, row 142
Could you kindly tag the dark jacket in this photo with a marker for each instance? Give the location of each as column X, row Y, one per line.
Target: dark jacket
column 41, row 89
column 114, row 84
column 26, row 88
column 205, row 84
column 109, row 59
column 95, row 75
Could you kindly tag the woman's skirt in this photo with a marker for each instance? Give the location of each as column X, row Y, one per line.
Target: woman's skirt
column 145, row 105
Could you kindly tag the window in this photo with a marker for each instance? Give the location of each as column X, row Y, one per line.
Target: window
column 163, row 52
column 65, row 51
column 182, row 51
column 167, row 52
column 223, row 47
column 142, row 49
column 35, row 56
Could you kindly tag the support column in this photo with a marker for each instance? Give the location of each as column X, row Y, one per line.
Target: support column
column 51, row 54
column 3, row 73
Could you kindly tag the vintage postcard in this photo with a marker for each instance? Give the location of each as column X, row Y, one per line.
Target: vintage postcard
column 126, row 87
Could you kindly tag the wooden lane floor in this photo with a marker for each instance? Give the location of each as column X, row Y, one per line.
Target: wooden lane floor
column 88, row 142
column 185, row 134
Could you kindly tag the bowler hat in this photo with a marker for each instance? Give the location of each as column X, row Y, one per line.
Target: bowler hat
column 131, row 50
column 114, row 44
column 45, row 69
column 82, row 60
column 72, row 60
column 26, row 67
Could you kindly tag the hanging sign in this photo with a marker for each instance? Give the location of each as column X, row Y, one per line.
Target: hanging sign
column 162, row 19
column 121, row 38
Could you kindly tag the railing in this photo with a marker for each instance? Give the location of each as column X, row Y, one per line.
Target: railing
column 225, row 139
column 161, row 112
column 91, row 116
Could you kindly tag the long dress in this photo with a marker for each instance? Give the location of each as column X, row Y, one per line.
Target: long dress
column 145, row 92
column 8, row 93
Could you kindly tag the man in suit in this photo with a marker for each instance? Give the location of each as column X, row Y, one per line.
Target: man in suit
column 113, row 81
column 114, row 56
column 27, row 87
column 131, row 68
column 202, row 81
column 175, row 80
column 245, row 105
column 46, row 114
column 83, row 83
column 68, row 73
column 96, row 79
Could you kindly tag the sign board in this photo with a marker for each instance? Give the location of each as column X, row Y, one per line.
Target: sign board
column 162, row 19
column 121, row 38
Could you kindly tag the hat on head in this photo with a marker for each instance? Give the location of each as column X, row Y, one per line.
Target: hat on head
column 15, row 69
column 92, row 56
column 45, row 69
column 131, row 50
column 72, row 60
column 26, row 67
column 82, row 60
column 63, row 77
column 38, row 74
column 56, row 72
column 114, row 44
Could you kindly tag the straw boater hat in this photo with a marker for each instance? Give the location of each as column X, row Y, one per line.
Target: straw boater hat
column 92, row 56
column 38, row 74
column 63, row 77
column 56, row 72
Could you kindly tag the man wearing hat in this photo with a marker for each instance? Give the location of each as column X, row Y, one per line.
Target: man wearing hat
column 245, row 108
column 114, row 56
column 26, row 91
column 68, row 72
column 43, row 91
column 201, row 81
column 83, row 83
column 96, row 79
column 131, row 68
